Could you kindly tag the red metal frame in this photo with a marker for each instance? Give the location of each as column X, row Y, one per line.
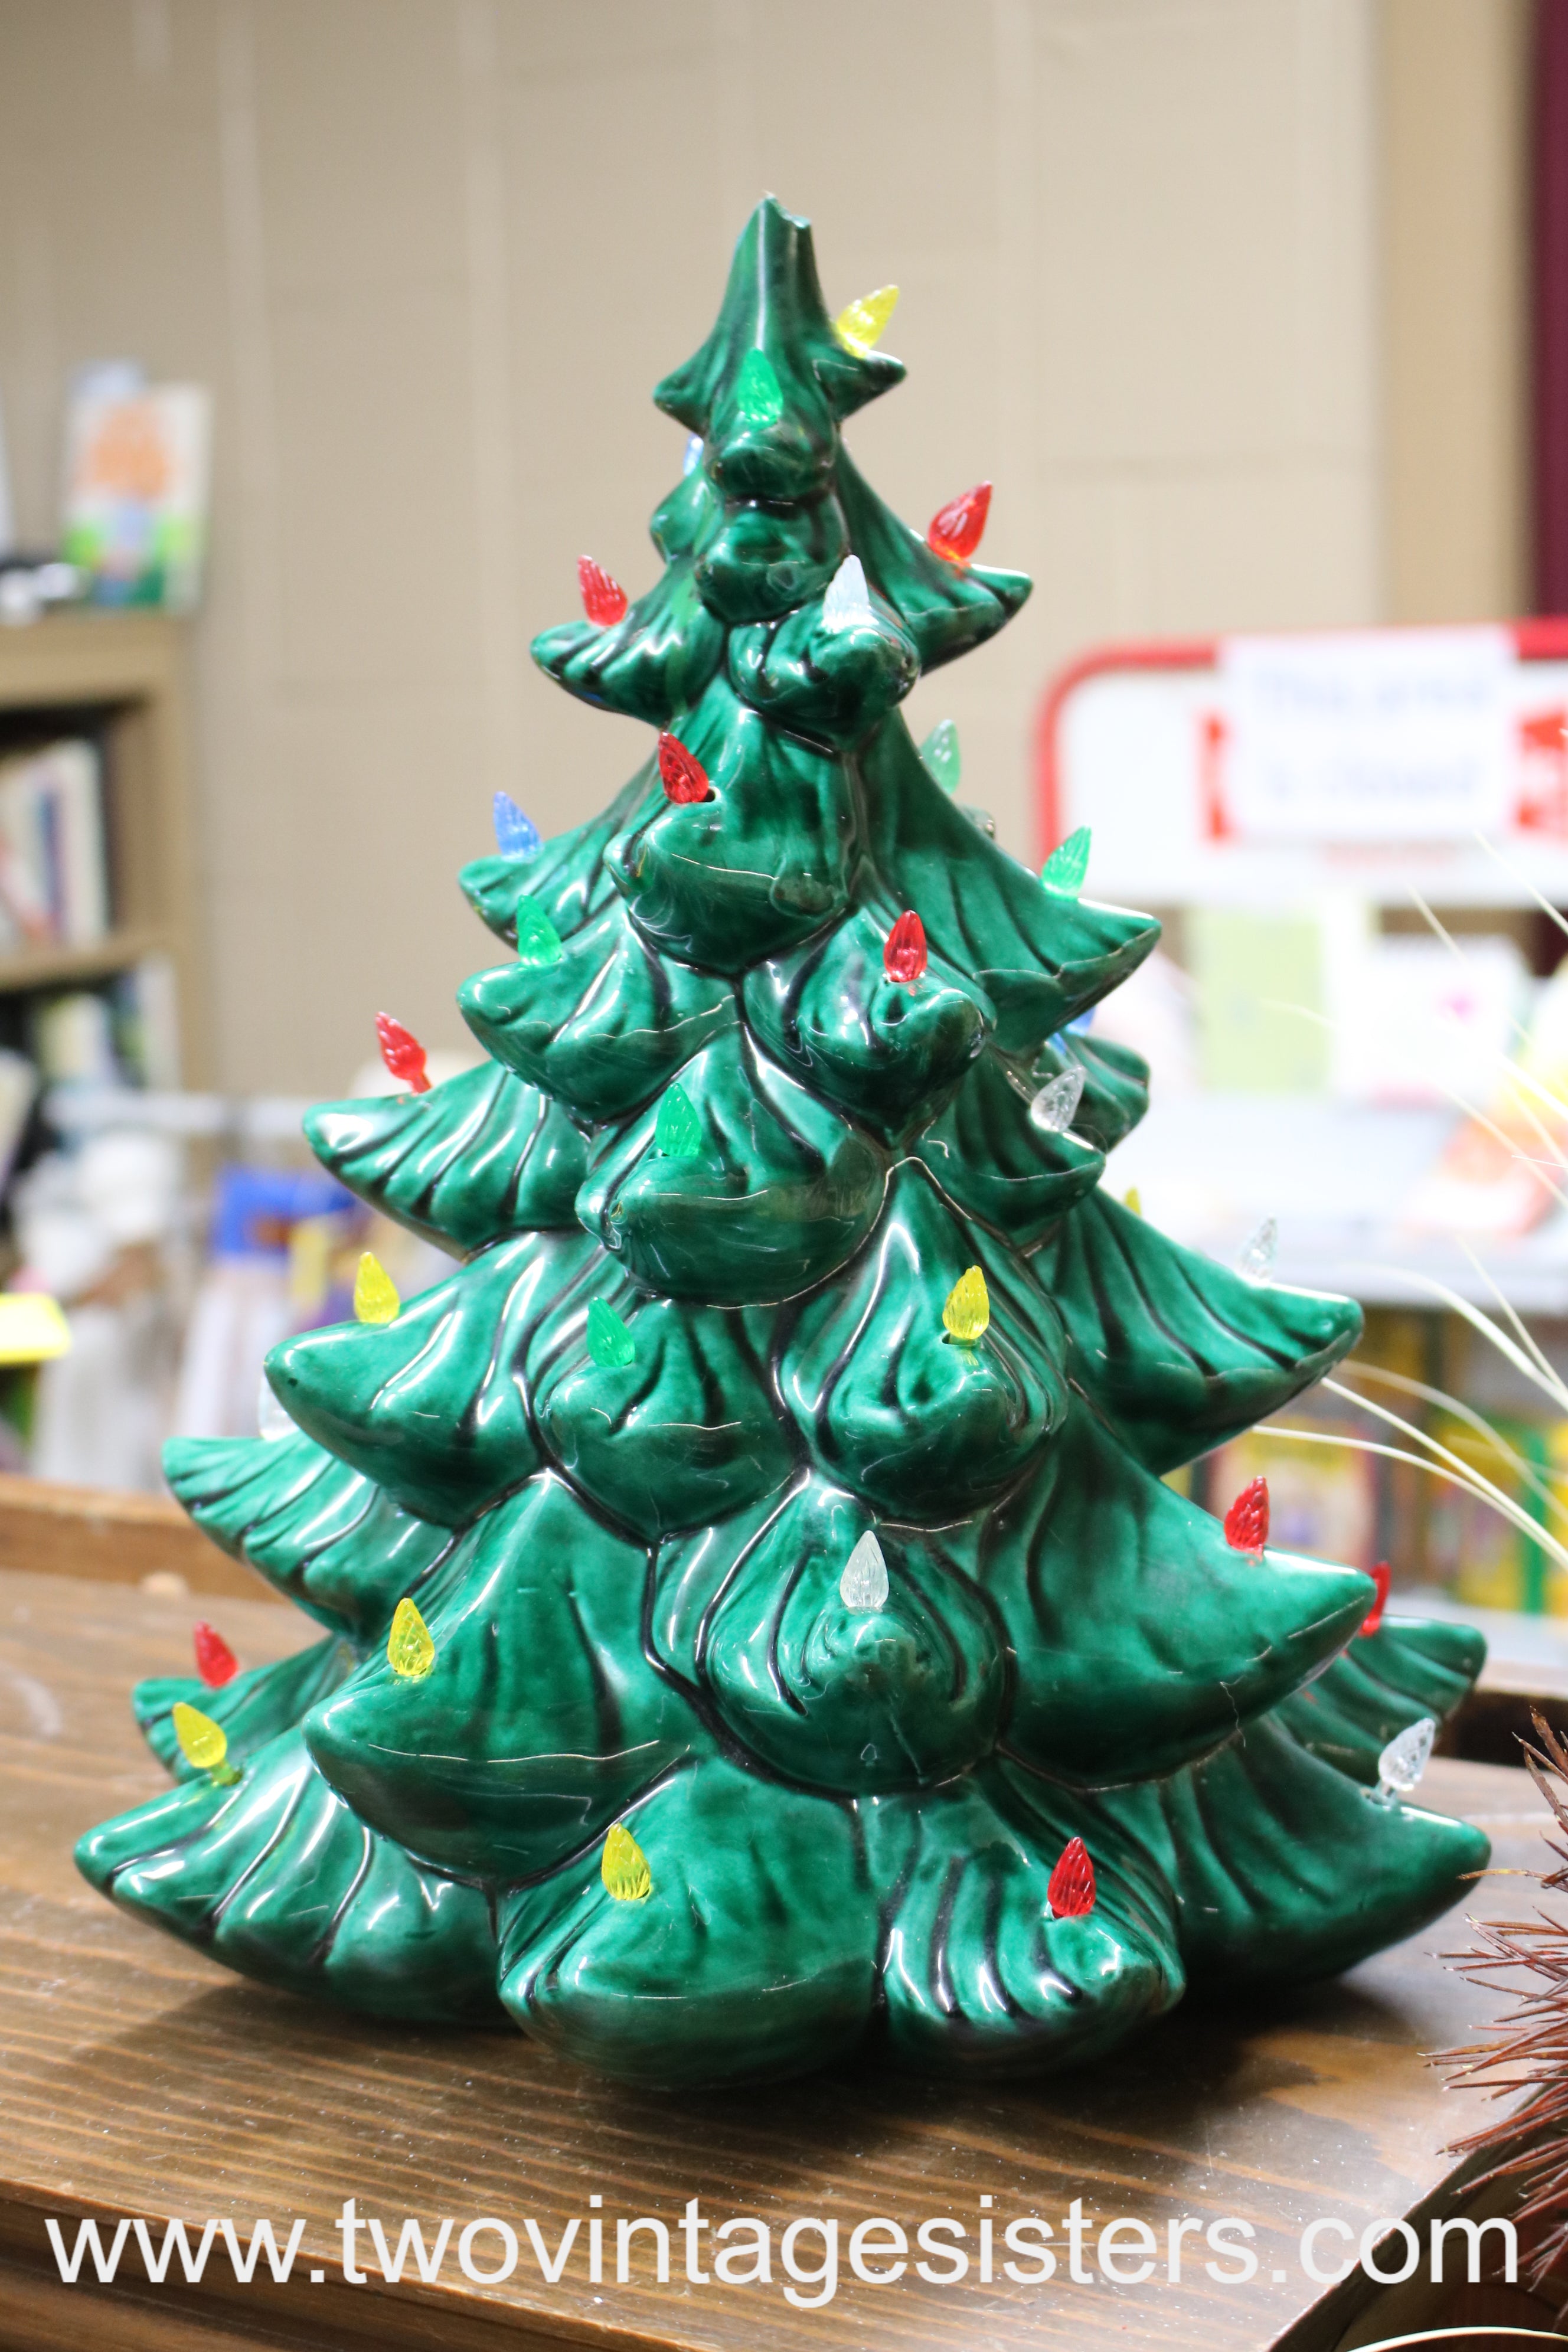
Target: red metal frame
column 1542, row 638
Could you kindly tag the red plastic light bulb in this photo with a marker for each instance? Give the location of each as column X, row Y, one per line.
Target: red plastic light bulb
column 1373, row 1618
column 1070, row 1892
column 402, row 1053
column 1246, row 1521
column 603, row 599
column 957, row 530
column 904, row 955
column 684, row 778
column 216, row 1662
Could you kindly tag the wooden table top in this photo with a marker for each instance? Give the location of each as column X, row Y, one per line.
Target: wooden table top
column 137, row 2078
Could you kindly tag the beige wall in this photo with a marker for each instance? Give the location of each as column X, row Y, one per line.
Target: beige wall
column 1454, row 85
column 431, row 254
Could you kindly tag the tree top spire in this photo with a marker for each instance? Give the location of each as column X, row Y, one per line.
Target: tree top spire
column 773, row 305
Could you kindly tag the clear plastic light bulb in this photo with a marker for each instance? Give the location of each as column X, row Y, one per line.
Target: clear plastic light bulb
column 864, row 1584
column 1257, row 1256
column 847, row 604
column 1054, row 1108
column 1404, row 1759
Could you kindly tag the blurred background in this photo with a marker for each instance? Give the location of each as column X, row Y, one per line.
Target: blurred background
column 326, row 330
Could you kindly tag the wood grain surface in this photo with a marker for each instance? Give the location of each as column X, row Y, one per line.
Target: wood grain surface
column 119, row 1539
column 136, row 2078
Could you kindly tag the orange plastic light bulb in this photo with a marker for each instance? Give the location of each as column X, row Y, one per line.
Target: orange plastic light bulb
column 1071, row 1889
column 402, row 1053
column 603, row 599
column 1246, row 1521
column 684, row 777
column 957, row 530
column 1373, row 1618
column 216, row 1662
column 904, row 953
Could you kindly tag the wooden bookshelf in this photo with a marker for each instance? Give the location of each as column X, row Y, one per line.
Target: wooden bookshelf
column 119, row 679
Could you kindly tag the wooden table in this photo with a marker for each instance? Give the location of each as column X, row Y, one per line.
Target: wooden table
column 138, row 2079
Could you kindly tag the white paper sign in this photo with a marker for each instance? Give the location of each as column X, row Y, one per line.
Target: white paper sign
column 1402, row 736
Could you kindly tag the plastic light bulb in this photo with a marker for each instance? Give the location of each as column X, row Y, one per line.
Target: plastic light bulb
column 1257, row 1256
column 677, row 1132
column 1381, row 1577
column 859, row 326
column 758, row 394
column 375, row 1293
column 692, row 455
column 1246, row 1521
column 956, row 530
column 847, row 604
column 1065, row 868
column 516, row 836
column 622, row 1866
column 410, row 1652
column 272, row 1421
column 904, row 950
column 610, row 1344
column 1404, row 1758
column 682, row 774
column 402, row 1053
column 967, row 1313
column 1069, row 1890
column 864, row 1584
column 216, row 1662
column 538, row 940
column 1054, row 1108
column 940, row 755
column 202, row 1742
column 603, row 599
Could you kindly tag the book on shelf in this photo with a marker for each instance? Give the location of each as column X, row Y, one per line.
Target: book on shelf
column 136, row 486
column 54, row 879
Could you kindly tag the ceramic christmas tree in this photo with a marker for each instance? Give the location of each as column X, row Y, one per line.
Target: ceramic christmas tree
column 757, row 1625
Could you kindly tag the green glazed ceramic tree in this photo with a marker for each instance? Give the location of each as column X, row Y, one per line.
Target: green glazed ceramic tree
column 779, row 1597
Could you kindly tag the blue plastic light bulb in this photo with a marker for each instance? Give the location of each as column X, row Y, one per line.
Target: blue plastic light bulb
column 516, row 836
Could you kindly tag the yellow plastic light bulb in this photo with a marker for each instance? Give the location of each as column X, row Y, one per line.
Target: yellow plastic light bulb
column 1132, row 1198
column 202, row 1742
column 410, row 1652
column 859, row 325
column 622, row 1866
column 968, row 1310
column 375, row 1293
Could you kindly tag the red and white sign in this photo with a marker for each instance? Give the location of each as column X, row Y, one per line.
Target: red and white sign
column 1258, row 769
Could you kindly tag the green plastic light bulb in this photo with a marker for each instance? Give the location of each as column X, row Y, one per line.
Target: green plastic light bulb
column 610, row 1344
column 940, row 755
column 1065, row 868
column 538, row 940
column 758, row 392
column 676, row 1134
